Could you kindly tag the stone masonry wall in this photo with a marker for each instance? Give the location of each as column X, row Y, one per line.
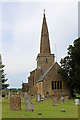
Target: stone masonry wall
column 44, row 61
column 53, row 75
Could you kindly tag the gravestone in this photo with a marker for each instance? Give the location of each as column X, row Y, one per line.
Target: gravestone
column 15, row 102
column 25, row 97
column 42, row 98
column 77, row 102
column 28, row 103
column 0, row 96
column 66, row 98
column 29, row 106
column 18, row 94
column 22, row 95
column 9, row 93
column 62, row 100
column 38, row 97
column 54, row 101
column 26, row 100
column 63, row 110
column 57, row 95
column 6, row 95
column 12, row 93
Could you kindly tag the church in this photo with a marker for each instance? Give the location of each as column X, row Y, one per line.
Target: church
column 45, row 79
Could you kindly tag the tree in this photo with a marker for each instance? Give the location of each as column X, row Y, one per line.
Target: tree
column 3, row 85
column 70, row 67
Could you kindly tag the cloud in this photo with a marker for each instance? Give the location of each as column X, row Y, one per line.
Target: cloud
column 22, row 24
column 63, row 26
column 0, row 28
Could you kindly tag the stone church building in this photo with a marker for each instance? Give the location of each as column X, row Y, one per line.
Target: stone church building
column 45, row 79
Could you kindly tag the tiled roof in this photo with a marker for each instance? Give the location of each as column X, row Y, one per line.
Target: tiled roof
column 44, row 74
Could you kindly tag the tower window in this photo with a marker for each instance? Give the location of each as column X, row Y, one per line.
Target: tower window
column 56, row 85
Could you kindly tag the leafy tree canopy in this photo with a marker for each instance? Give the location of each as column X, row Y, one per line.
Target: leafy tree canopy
column 3, row 85
column 70, row 67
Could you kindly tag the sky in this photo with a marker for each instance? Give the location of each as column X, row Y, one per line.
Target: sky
column 21, row 33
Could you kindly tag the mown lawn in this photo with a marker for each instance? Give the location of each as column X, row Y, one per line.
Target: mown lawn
column 0, row 108
column 45, row 107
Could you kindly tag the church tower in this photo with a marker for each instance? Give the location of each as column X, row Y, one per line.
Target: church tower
column 45, row 79
column 44, row 59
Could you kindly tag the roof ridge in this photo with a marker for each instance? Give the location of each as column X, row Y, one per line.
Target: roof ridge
column 44, row 74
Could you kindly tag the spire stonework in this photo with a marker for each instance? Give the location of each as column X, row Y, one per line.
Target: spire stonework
column 44, row 45
column 44, row 59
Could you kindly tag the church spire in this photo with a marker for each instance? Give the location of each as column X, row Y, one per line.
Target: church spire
column 45, row 45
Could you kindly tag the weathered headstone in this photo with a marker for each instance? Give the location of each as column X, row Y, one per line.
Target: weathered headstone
column 54, row 101
column 18, row 94
column 26, row 100
column 66, row 98
column 38, row 97
column 77, row 102
column 28, row 103
column 57, row 95
column 9, row 93
column 29, row 106
column 12, row 93
column 25, row 97
column 22, row 95
column 6, row 96
column 62, row 100
column 0, row 96
column 42, row 98
column 15, row 102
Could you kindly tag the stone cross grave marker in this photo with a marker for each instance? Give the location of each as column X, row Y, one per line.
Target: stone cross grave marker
column 15, row 102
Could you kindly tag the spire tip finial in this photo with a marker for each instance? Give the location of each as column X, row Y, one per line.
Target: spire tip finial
column 44, row 11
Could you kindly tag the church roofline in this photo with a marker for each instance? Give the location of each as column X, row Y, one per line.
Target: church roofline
column 46, row 72
column 25, row 84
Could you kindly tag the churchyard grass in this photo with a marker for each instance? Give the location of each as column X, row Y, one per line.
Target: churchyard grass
column 46, row 108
